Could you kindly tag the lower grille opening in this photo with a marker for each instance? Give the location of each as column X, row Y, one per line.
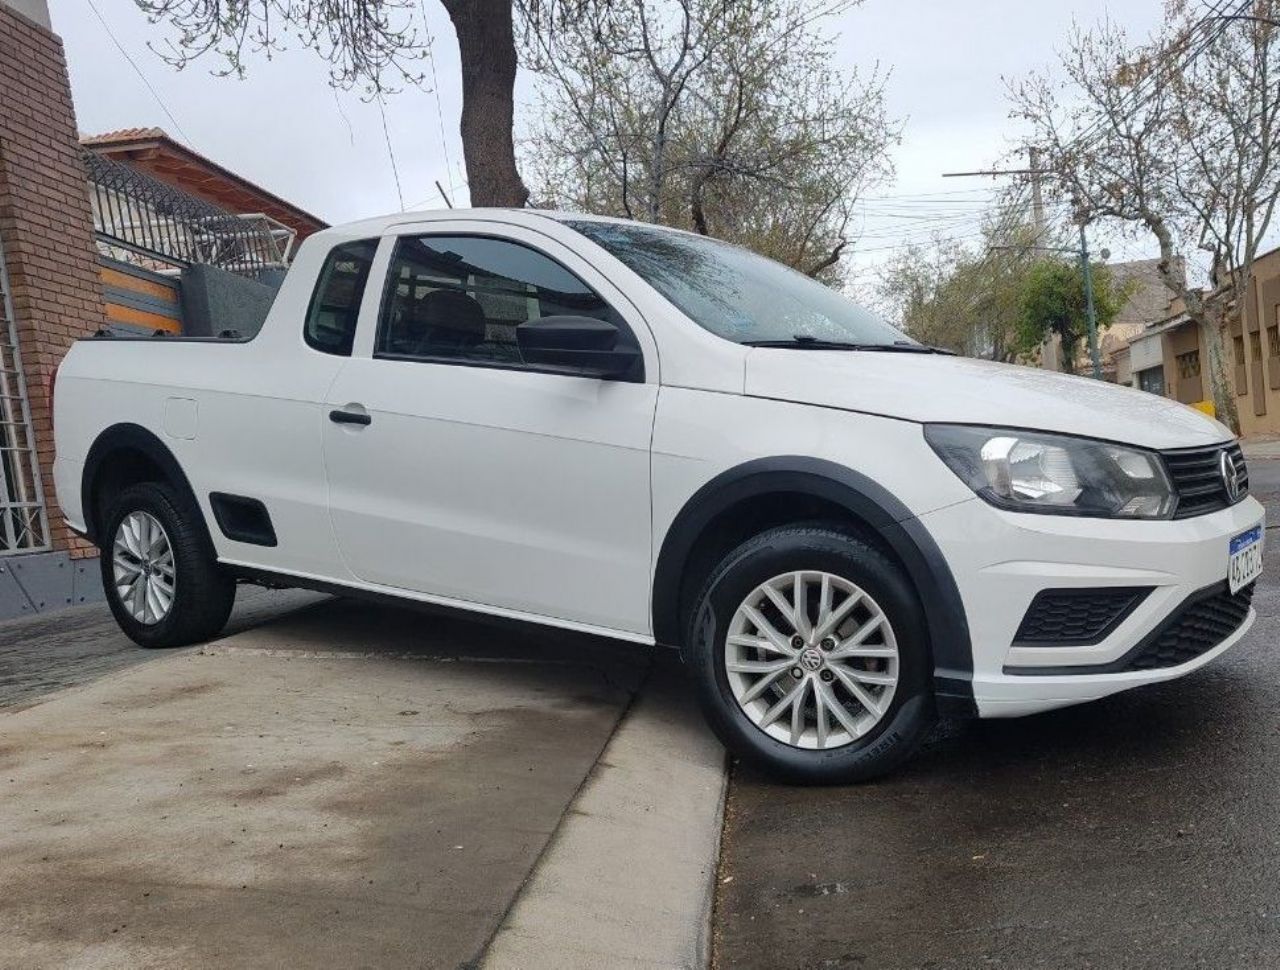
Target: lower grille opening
column 1200, row 623
column 1195, row 629
column 1076, row 617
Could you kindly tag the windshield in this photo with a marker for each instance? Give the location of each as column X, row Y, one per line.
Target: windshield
column 736, row 294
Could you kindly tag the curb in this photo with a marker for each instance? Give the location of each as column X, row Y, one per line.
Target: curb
column 628, row 880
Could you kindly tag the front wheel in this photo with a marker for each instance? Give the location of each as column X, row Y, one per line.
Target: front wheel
column 162, row 582
column 811, row 658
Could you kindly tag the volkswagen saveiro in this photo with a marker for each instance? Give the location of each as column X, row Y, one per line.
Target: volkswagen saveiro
column 649, row 435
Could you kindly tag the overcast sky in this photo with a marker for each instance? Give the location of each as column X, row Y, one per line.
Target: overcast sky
column 286, row 129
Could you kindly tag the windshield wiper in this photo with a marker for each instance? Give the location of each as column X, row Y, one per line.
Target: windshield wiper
column 802, row 341
column 902, row 347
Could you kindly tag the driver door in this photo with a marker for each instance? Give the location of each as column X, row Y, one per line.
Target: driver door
column 457, row 471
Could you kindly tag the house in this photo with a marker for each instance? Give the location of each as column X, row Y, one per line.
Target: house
column 185, row 244
column 1167, row 356
column 152, row 151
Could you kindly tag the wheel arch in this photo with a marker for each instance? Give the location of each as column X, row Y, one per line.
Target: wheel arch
column 712, row 517
column 122, row 455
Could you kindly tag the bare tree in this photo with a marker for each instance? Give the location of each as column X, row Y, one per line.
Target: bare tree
column 949, row 295
column 1176, row 138
column 377, row 45
column 722, row 118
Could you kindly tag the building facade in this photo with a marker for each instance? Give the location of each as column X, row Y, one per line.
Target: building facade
column 1167, row 357
column 1255, row 338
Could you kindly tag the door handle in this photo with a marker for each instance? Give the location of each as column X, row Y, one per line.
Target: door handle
column 338, row 416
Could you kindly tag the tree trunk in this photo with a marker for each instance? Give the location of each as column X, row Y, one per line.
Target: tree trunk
column 1208, row 320
column 1068, row 352
column 1215, row 367
column 486, row 42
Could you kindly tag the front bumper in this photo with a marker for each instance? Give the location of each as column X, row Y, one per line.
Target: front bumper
column 1000, row 560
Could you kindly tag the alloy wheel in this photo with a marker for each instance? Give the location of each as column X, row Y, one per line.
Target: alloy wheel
column 143, row 568
column 812, row 659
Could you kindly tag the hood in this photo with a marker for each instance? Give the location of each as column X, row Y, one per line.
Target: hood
column 961, row 390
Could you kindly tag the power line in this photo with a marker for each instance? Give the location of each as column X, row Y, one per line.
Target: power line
column 395, row 171
column 925, row 195
column 137, row 70
column 1214, row 22
column 435, row 87
column 414, row 205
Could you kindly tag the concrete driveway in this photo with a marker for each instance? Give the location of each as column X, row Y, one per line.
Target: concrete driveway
column 351, row 786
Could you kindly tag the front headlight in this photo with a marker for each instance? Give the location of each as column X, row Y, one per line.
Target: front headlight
column 1025, row 471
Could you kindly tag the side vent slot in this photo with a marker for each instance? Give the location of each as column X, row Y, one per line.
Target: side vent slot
column 243, row 519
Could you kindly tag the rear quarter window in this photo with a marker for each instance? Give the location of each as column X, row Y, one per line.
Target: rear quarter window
column 335, row 303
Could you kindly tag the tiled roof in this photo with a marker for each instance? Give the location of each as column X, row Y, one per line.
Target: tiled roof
column 189, row 170
column 124, row 134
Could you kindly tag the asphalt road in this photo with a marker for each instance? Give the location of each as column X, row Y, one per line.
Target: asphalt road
column 1264, row 476
column 1138, row 831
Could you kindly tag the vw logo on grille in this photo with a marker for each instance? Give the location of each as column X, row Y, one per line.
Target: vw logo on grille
column 1231, row 475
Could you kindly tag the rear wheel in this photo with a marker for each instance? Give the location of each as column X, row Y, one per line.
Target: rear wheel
column 162, row 582
column 811, row 658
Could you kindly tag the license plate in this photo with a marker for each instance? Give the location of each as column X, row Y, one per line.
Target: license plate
column 1245, row 562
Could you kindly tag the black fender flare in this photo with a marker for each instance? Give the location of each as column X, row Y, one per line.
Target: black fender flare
column 867, row 501
column 128, row 437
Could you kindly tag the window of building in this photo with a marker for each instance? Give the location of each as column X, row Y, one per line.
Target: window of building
column 462, row 297
column 1239, row 349
column 335, row 304
column 1188, row 364
column 1273, row 341
column 1151, row 380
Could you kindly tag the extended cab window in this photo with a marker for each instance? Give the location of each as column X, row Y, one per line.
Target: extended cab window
column 335, row 304
column 462, row 297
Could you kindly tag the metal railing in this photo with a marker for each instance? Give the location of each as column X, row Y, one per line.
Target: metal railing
column 140, row 219
column 24, row 525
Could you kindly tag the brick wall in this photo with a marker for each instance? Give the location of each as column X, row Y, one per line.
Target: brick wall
column 46, row 226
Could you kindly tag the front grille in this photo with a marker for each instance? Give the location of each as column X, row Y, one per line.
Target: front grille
column 1197, row 627
column 1196, row 474
column 1077, row 617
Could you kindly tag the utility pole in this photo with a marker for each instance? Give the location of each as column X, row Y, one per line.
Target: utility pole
column 1038, row 220
column 1087, row 271
column 1041, row 228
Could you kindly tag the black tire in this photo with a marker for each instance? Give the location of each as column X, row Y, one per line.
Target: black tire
column 911, row 712
column 202, row 593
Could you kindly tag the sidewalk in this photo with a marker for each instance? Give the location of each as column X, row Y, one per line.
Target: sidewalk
column 1262, row 448
column 350, row 786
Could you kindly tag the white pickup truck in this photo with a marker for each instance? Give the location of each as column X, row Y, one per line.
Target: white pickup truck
column 645, row 434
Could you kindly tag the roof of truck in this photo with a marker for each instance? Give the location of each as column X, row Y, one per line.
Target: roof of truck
column 378, row 225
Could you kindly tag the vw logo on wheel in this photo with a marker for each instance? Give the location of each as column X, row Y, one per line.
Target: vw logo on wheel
column 1231, row 475
column 810, row 659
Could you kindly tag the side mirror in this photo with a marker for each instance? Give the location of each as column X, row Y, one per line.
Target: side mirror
column 578, row 345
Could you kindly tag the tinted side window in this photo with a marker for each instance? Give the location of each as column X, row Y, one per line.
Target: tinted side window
column 335, row 304
column 462, row 297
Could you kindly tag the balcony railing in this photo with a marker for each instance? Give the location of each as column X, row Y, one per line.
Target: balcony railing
column 140, row 219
